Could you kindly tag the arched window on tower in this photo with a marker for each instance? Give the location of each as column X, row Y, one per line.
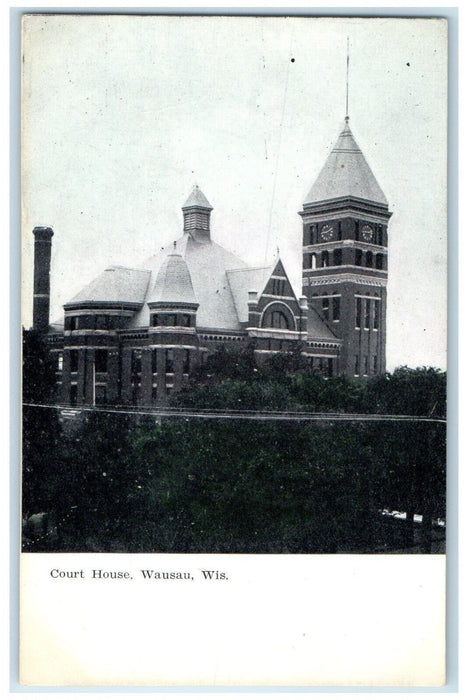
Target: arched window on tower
column 325, row 259
column 313, row 261
column 379, row 260
column 369, row 259
column 356, row 229
column 379, row 234
column 337, row 256
column 358, row 257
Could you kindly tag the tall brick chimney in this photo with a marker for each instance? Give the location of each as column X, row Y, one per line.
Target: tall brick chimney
column 41, row 304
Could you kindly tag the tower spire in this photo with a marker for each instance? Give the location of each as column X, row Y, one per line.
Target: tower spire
column 347, row 78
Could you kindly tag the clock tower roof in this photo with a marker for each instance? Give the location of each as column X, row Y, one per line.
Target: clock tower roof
column 346, row 173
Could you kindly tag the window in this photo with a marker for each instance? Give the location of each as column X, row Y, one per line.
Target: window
column 71, row 323
column 358, row 312
column 336, row 308
column 340, row 231
column 356, row 229
column 367, row 315
column 369, row 259
column 337, row 256
column 356, row 364
column 366, row 364
column 279, row 320
column 379, row 259
column 73, row 394
column 329, row 367
column 186, row 320
column 377, row 314
column 276, row 319
column 100, row 395
column 60, row 361
column 279, row 287
column 379, row 235
column 375, row 364
column 169, row 361
column 102, row 322
column 312, row 234
column 325, row 308
column 313, row 261
column 136, row 362
column 73, row 360
column 186, row 362
column 154, row 361
column 358, row 257
column 100, row 361
column 325, row 259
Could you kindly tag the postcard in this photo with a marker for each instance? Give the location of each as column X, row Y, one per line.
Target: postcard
column 234, row 287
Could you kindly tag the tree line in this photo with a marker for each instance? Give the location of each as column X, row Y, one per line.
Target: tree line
column 111, row 483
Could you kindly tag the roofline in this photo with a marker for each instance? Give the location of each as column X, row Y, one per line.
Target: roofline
column 345, row 198
column 88, row 304
column 249, row 269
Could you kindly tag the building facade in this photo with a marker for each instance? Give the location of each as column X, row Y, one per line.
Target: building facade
column 132, row 336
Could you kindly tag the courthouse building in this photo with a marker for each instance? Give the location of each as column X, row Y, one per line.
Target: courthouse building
column 132, row 336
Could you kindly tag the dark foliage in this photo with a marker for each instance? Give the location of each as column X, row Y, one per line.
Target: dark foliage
column 41, row 429
column 111, row 484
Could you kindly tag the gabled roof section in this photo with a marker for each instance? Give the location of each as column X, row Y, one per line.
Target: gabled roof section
column 173, row 282
column 243, row 281
column 122, row 285
column 197, row 199
column 346, row 173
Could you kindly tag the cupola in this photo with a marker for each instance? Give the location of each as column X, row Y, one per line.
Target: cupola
column 197, row 211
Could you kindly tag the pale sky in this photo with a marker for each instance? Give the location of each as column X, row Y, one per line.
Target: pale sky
column 123, row 115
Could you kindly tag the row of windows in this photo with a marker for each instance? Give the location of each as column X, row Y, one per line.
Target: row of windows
column 185, row 320
column 368, row 368
column 168, row 361
column 367, row 313
column 101, row 357
column 92, row 322
column 314, row 260
column 100, row 361
column 367, row 259
column 324, row 365
column 279, row 287
column 338, row 230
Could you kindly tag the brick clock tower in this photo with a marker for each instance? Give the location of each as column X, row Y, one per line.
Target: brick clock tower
column 345, row 217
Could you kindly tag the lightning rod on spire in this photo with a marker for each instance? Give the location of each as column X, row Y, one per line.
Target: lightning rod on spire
column 347, row 77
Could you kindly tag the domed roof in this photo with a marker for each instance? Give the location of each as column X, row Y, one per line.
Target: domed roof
column 173, row 282
column 346, row 173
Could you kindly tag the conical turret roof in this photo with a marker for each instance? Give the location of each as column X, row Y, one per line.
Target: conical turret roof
column 346, row 173
column 173, row 282
column 197, row 199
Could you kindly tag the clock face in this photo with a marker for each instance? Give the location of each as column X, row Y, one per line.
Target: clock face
column 367, row 233
column 326, row 232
